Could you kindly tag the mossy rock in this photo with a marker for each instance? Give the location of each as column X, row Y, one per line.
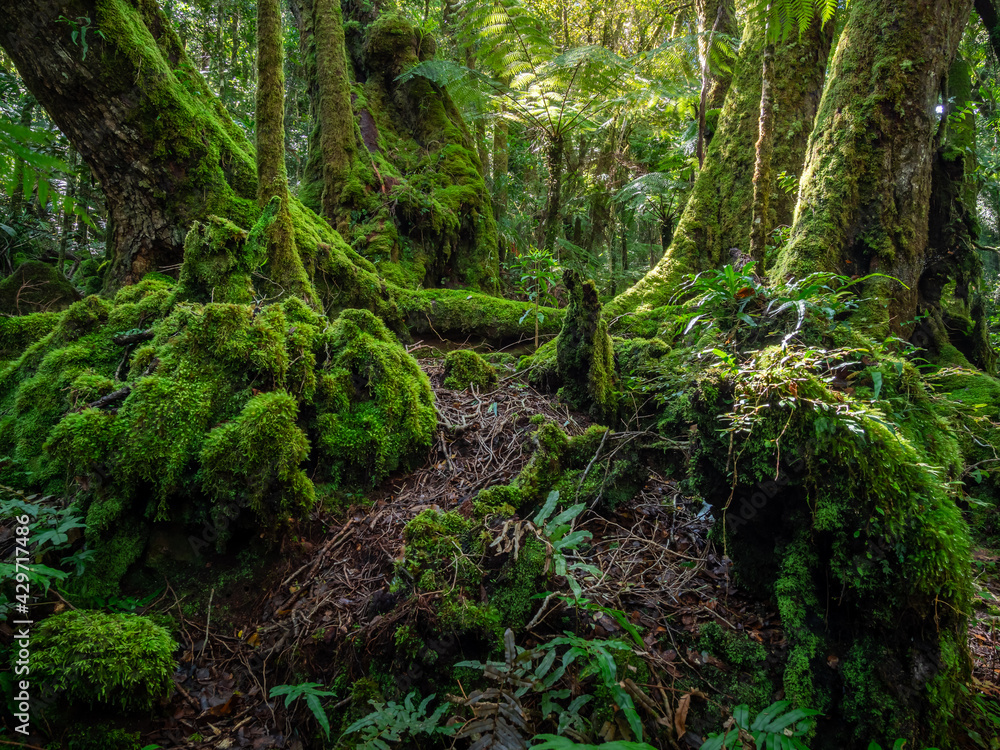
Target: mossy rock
column 119, row 661
column 464, row 368
column 36, row 287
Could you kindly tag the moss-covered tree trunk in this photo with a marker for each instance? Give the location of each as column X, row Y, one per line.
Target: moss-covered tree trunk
column 717, row 215
column 554, row 161
column 334, row 115
column 283, row 266
column 763, row 176
column 163, row 148
column 865, row 198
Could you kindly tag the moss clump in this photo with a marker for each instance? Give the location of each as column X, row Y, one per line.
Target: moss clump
column 436, row 550
column 259, row 454
column 36, row 287
column 96, row 659
column 464, row 368
column 102, row 737
column 519, row 582
column 18, row 332
column 375, row 407
column 499, row 499
column 217, row 416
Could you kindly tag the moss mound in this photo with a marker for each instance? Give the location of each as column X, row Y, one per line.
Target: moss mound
column 36, row 287
column 97, row 659
column 148, row 409
column 464, row 368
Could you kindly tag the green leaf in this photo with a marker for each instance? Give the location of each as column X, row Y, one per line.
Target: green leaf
column 876, row 384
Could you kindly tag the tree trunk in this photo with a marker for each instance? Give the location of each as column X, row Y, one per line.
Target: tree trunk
column 553, row 199
column 714, row 17
column 164, row 149
column 334, row 116
column 866, row 189
column 763, row 177
column 284, row 267
column 72, row 190
column 716, row 217
column 501, row 180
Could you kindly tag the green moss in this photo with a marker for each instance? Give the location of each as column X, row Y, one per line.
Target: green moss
column 499, row 499
column 375, row 411
column 435, row 550
column 96, row 659
column 857, row 529
column 18, row 332
column 464, row 368
column 259, row 453
column 102, row 737
column 519, row 582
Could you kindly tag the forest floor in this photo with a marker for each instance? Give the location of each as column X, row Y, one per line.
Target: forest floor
column 325, row 603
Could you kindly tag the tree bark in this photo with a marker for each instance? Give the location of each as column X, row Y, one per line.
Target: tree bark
column 866, row 188
column 164, row 149
column 763, row 174
column 714, row 17
column 716, row 216
column 335, row 117
column 284, row 267
column 554, row 158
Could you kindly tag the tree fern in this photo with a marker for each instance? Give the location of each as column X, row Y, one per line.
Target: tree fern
column 785, row 17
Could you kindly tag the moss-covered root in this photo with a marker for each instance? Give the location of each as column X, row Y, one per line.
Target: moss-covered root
column 464, row 368
column 584, row 353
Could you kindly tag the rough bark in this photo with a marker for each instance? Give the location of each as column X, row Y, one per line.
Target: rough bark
column 716, row 217
column 951, row 304
column 714, row 17
column 335, row 118
column 141, row 116
column 554, row 158
column 866, row 189
column 501, row 180
column 763, row 174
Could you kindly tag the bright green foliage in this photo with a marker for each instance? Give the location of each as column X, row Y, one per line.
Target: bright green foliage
column 775, row 725
column 464, row 368
column 97, row 659
column 399, row 722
